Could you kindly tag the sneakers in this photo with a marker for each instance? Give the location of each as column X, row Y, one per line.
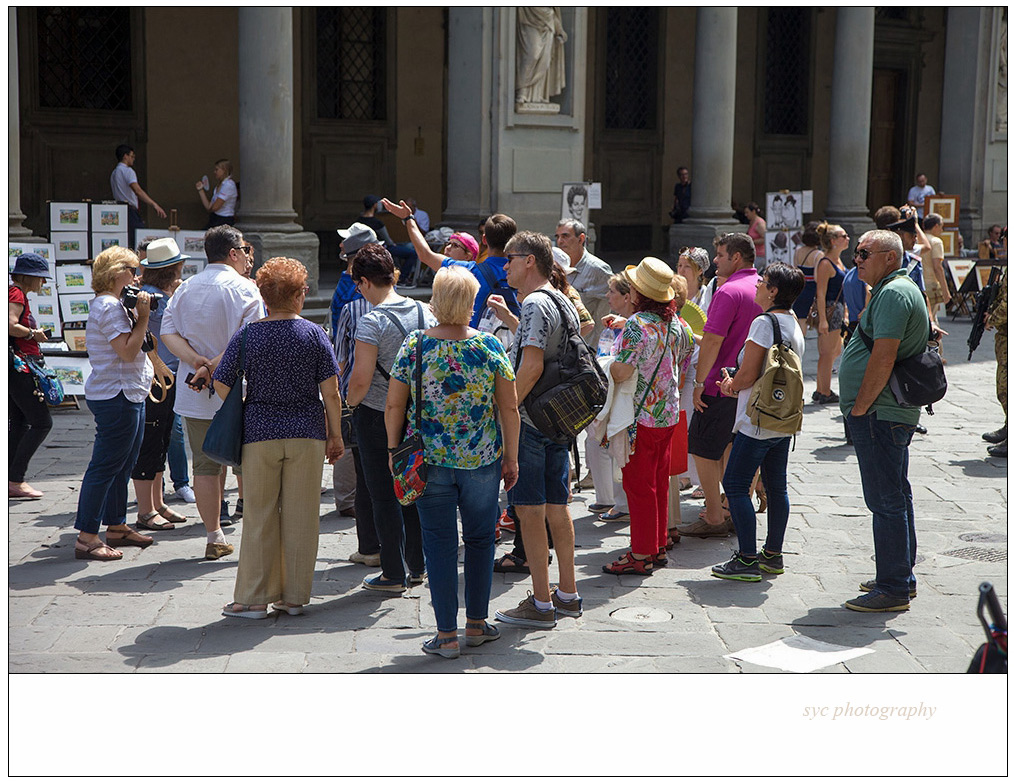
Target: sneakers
column 216, row 550
column 822, row 400
column 381, row 583
column 996, row 436
column 366, row 560
column 416, row 579
column 507, row 522
column 871, row 585
column 186, row 494
column 526, row 614
column 571, row 609
column 770, row 562
column 875, row 601
column 739, row 568
column 238, row 514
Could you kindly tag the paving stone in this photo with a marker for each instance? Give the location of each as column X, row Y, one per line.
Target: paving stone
column 632, row 643
column 31, row 639
column 257, row 662
column 114, row 609
column 158, row 663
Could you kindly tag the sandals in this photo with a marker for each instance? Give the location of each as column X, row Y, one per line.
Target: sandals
column 509, row 563
column 245, row 611
column 168, row 514
column 433, row 646
column 489, row 633
column 661, row 558
column 285, row 607
column 630, row 565
column 698, row 494
column 146, row 521
column 92, row 552
column 128, row 538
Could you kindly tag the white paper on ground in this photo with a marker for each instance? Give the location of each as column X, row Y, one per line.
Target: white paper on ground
column 798, row 654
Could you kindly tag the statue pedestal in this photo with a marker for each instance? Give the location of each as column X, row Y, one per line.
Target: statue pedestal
column 536, row 108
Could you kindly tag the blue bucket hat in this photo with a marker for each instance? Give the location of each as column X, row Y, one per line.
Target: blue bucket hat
column 31, row 264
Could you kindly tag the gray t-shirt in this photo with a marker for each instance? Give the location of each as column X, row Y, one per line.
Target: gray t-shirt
column 376, row 329
column 540, row 326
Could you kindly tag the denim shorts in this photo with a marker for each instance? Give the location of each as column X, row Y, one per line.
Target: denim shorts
column 543, row 471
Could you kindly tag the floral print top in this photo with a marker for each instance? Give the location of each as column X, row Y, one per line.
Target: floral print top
column 459, row 422
column 645, row 337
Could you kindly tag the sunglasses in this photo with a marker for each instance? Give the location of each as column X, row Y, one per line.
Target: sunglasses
column 247, row 249
column 864, row 254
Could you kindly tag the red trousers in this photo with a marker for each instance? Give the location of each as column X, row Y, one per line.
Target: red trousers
column 646, row 483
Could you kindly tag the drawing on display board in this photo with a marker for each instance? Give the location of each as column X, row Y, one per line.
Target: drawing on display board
column 784, row 210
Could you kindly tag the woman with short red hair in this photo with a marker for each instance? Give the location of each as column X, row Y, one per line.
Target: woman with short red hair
column 289, row 365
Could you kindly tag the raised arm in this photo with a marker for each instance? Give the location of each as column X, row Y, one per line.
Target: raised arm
column 426, row 255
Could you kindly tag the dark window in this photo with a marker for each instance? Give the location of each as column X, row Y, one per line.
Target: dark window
column 351, row 60
column 84, row 58
column 632, row 68
column 787, row 72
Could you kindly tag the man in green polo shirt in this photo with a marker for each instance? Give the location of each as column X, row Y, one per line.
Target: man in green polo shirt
column 897, row 321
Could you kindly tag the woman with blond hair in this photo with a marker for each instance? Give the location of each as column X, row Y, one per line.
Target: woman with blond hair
column 830, row 307
column 115, row 392
column 288, row 365
column 470, row 423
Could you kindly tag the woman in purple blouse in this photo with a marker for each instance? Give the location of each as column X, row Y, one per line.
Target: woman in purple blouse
column 287, row 432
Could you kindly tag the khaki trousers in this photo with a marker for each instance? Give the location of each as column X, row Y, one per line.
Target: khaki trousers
column 281, row 520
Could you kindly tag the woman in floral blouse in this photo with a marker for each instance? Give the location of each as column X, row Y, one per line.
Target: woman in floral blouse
column 653, row 345
column 466, row 380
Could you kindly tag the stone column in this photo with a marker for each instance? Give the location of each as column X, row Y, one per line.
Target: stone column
column 714, row 128
column 851, row 106
column 266, row 216
column 963, row 127
column 470, row 41
column 16, row 231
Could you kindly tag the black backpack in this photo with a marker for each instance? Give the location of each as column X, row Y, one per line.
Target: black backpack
column 572, row 388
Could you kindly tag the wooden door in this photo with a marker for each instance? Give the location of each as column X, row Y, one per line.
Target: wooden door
column 885, row 139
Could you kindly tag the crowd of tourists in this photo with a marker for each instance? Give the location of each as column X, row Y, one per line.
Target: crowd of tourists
column 429, row 412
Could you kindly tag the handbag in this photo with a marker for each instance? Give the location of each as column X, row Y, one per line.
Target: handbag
column 813, row 319
column 223, row 442
column 918, row 380
column 47, row 383
column 408, row 458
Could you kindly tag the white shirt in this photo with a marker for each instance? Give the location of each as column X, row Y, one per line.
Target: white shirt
column 207, row 310
column 120, row 181
column 763, row 335
column 226, row 191
column 918, row 195
column 107, row 320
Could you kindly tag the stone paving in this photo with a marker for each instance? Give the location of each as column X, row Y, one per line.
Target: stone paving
column 158, row 610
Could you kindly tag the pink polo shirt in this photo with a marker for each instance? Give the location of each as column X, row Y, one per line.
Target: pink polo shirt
column 730, row 315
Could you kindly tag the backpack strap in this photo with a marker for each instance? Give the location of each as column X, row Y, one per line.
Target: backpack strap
column 569, row 330
column 490, row 278
column 776, row 328
column 401, row 329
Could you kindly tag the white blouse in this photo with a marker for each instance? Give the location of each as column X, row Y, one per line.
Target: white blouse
column 107, row 320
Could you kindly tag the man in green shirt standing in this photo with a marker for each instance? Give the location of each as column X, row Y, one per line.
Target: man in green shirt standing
column 897, row 321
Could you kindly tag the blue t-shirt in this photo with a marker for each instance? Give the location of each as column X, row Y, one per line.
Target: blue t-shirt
column 286, row 361
column 344, row 293
column 155, row 328
column 853, row 294
column 496, row 264
column 914, row 271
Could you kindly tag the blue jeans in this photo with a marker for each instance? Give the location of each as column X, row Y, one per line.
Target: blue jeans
column 397, row 526
column 882, row 450
column 476, row 493
column 178, row 469
column 771, row 456
column 119, row 430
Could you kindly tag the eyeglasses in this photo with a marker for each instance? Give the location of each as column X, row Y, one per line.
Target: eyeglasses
column 455, row 244
column 864, row 254
column 516, row 255
column 247, row 249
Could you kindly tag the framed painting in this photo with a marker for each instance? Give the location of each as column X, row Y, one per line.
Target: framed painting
column 103, row 240
column 947, row 207
column 74, row 307
column 110, row 217
column 142, row 236
column 72, row 372
column 68, row 216
column 959, row 270
column 192, row 267
column 74, row 279
column 71, row 245
column 950, row 240
column 191, row 243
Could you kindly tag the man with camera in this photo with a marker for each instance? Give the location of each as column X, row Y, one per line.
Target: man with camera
column 203, row 315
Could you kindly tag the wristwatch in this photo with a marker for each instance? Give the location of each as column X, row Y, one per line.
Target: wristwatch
column 698, row 384
column 407, row 218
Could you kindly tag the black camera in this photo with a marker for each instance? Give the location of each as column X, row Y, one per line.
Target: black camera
column 129, row 297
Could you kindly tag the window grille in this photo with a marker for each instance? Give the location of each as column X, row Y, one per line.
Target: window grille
column 632, row 69
column 84, row 58
column 351, row 63
column 787, row 72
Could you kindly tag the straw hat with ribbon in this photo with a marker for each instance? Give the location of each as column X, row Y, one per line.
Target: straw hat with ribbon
column 652, row 278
